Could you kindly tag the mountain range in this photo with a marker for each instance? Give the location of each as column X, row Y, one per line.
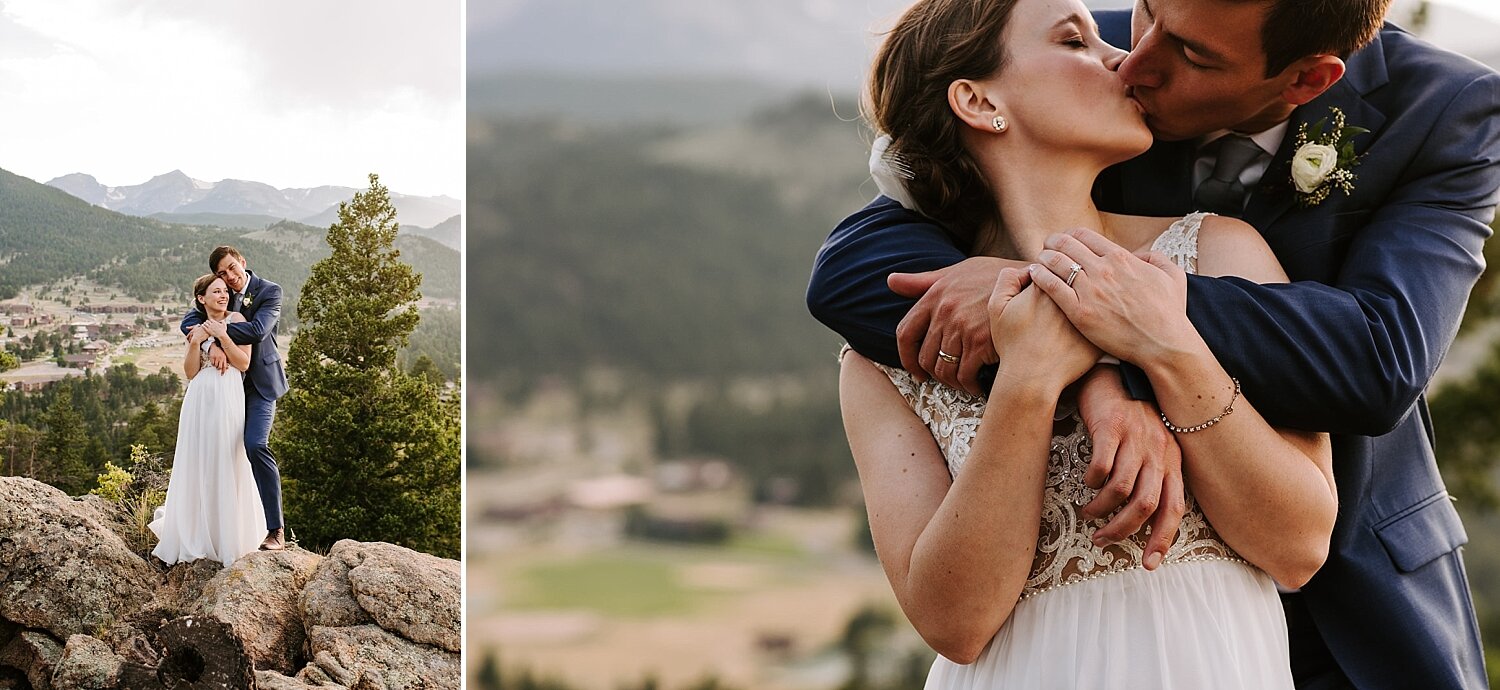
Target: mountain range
column 181, row 196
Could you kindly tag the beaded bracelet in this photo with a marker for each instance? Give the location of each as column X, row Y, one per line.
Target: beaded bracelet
column 1227, row 409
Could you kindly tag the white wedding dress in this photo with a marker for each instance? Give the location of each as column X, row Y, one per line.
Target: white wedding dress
column 212, row 509
column 1094, row 618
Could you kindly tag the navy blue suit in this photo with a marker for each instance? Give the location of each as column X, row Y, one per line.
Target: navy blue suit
column 1381, row 278
column 265, row 382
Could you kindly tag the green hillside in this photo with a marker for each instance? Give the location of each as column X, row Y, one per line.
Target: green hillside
column 667, row 251
column 46, row 233
column 224, row 220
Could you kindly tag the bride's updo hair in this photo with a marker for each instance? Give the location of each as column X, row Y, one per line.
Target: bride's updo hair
column 200, row 288
column 934, row 44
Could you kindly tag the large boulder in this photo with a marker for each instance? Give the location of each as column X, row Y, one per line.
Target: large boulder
column 328, row 599
column 61, row 568
column 375, row 657
column 413, row 594
column 35, row 654
column 257, row 597
column 87, row 664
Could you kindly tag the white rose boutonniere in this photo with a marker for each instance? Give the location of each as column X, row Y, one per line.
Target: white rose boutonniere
column 1311, row 165
column 246, row 300
column 1324, row 160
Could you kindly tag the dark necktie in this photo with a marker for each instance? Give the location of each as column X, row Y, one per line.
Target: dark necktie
column 1222, row 192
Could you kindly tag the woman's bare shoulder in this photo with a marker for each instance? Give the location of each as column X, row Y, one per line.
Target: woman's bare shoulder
column 1232, row 247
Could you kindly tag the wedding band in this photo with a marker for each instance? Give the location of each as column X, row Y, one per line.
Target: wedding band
column 1072, row 274
column 951, row 359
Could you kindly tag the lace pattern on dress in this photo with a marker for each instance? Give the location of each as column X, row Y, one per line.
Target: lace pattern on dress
column 1065, row 552
column 1180, row 241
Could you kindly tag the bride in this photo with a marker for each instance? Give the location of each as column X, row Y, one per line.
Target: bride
column 1000, row 115
column 212, row 508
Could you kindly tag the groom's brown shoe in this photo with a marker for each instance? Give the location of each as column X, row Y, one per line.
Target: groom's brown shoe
column 275, row 541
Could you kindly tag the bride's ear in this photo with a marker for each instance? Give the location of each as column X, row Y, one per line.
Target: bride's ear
column 977, row 104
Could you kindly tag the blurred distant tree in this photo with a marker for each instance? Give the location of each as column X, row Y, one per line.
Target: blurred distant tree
column 1420, row 16
column 489, row 677
column 864, row 636
column 1466, row 419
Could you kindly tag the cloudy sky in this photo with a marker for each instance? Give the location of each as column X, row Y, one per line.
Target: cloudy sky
column 287, row 92
column 804, row 43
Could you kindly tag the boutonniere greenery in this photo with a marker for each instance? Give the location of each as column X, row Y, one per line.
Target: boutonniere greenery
column 1324, row 158
column 246, row 300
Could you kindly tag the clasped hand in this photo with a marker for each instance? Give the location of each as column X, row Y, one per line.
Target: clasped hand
column 1136, row 463
column 1132, row 306
column 217, row 358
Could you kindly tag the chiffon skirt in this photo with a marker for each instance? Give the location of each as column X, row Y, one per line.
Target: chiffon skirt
column 1186, row 626
column 212, row 509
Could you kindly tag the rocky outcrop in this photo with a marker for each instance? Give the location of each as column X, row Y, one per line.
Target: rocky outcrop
column 34, row 654
column 380, row 658
column 413, row 594
column 328, row 599
column 80, row 611
column 61, row 569
column 257, row 597
column 86, row 664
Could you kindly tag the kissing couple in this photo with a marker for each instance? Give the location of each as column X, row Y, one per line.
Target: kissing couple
column 1140, row 341
column 225, row 483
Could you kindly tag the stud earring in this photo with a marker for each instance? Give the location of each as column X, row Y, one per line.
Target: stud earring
column 1000, row 124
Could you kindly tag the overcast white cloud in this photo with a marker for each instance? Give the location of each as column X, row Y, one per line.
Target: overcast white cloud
column 294, row 94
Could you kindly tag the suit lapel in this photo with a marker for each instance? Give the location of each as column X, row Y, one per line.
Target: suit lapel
column 251, row 289
column 1275, row 195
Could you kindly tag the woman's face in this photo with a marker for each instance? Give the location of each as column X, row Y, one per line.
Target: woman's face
column 1061, row 89
column 216, row 297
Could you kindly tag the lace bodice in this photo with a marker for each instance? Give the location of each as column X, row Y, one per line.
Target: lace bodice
column 1180, row 241
column 1065, row 553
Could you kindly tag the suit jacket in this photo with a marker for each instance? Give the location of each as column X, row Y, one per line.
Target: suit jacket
column 265, row 374
column 1381, row 277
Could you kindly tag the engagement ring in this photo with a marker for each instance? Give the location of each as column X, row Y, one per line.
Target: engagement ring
column 1073, row 273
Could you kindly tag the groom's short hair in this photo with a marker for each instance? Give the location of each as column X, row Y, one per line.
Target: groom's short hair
column 1295, row 29
column 218, row 255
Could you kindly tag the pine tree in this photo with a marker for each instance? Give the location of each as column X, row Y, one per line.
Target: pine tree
column 368, row 451
column 65, row 447
column 425, row 368
column 150, row 429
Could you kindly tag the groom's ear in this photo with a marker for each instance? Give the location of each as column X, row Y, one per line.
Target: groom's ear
column 975, row 103
column 1310, row 77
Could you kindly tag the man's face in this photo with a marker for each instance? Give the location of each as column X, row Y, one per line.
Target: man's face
column 1198, row 66
column 232, row 269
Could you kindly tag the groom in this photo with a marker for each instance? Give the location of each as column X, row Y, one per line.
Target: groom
column 259, row 301
column 1382, row 276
